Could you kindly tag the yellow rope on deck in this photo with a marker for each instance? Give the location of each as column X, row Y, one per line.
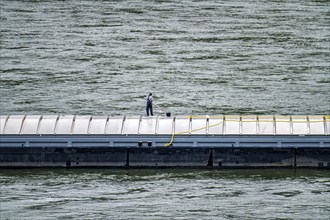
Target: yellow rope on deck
column 239, row 119
column 186, row 132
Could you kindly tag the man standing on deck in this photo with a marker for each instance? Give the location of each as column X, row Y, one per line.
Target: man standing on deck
column 149, row 104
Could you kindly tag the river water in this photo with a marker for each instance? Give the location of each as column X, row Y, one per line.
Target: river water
column 196, row 57
column 165, row 194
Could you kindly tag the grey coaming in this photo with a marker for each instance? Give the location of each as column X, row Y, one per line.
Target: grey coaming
column 192, row 141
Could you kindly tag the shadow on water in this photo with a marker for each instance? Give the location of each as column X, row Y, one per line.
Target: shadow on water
column 164, row 174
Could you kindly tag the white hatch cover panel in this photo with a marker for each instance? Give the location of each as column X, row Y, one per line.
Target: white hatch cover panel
column 47, row 124
column 182, row 125
column 3, row 119
column 327, row 124
column 249, row 124
column 299, row 125
column 216, row 124
column 81, row 124
column 165, row 125
column 316, row 125
column 232, row 124
column 97, row 124
column 266, row 124
column 148, row 125
column 14, row 124
column 198, row 125
column 30, row 124
column 131, row 125
column 64, row 124
column 283, row 125
column 115, row 125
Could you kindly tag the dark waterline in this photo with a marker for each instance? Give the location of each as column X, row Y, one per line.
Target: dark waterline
column 264, row 173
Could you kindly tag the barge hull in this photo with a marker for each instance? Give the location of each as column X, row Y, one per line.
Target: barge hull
column 221, row 141
column 160, row 157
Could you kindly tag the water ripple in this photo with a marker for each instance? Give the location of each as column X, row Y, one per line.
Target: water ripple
column 229, row 52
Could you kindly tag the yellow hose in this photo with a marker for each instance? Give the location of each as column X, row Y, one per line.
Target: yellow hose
column 186, row 132
column 327, row 118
